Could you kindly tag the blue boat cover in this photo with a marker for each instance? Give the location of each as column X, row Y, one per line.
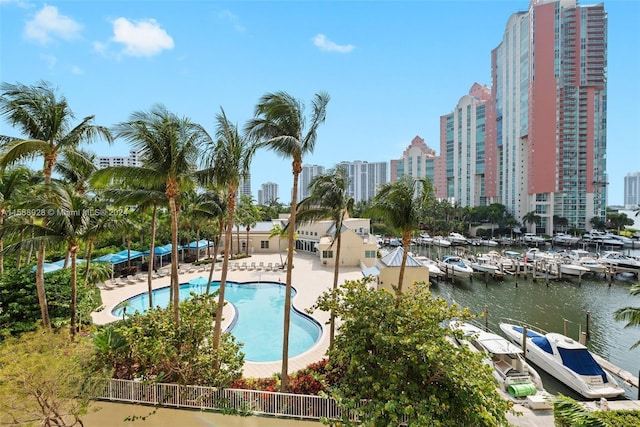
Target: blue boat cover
column 543, row 343
column 581, row 361
column 530, row 333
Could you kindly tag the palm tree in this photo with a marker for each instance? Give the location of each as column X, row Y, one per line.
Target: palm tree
column 170, row 147
column 12, row 183
column 76, row 167
column 532, row 218
column 329, row 199
column 227, row 166
column 631, row 315
column 280, row 125
column 282, row 233
column 248, row 215
column 401, row 205
column 45, row 119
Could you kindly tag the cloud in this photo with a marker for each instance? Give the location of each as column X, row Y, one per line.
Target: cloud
column 77, row 70
column 48, row 24
column 323, row 43
column 231, row 18
column 141, row 38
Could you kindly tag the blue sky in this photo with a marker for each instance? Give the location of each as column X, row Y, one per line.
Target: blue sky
column 392, row 68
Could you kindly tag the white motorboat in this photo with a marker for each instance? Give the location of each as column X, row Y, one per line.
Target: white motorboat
column 514, row 375
column 535, row 254
column 601, row 238
column 565, row 359
column 453, row 264
column 457, row 239
column 434, row 270
column 565, row 239
column 586, row 259
column 570, row 269
column 619, row 260
column 440, row 241
column 424, row 239
column 532, row 239
column 489, row 242
column 484, row 263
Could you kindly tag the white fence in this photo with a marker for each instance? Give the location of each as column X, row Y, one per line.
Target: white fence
column 212, row 398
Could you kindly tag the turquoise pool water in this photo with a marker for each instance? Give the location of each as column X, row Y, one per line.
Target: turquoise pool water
column 259, row 317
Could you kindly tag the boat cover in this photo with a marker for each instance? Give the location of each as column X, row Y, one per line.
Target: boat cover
column 543, row 343
column 530, row 333
column 581, row 362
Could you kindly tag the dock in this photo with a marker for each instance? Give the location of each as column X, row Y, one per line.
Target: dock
column 625, row 376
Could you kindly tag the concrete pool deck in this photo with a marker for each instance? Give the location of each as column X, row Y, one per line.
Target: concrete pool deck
column 309, row 278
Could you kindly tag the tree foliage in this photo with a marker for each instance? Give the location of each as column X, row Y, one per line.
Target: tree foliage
column 397, row 363
column 149, row 346
column 42, row 380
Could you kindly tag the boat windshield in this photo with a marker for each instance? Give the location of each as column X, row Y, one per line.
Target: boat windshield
column 581, row 362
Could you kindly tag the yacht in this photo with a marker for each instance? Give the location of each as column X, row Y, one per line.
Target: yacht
column 565, row 359
column 453, row 264
column 565, row 239
column 532, row 239
column 514, row 375
column 619, row 260
column 457, row 239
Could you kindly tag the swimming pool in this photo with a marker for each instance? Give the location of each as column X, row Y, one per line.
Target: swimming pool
column 259, row 317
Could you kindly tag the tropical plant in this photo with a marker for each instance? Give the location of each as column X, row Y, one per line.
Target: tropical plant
column 247, row 215
column 280, row 125
column 329, row 199
column 227, row 166
column 397, row 366
column 45, row 120
column 170, row 146
column 402, row 204
column 532, row 218
column 631, row 315
column 12, row 182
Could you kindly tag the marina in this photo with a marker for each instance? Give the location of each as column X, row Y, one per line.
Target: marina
column 583, row 307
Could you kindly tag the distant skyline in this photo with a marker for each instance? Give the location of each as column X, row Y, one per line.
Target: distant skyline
column 391, row 68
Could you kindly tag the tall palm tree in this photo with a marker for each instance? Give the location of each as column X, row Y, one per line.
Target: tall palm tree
column 329, row 199
column 631, row 315
column 76, row 167
column 226, row 167
column 280, row 125
column 248, row 216
column 45, row 119
column 170, row 149
column 401, row 205
column 12, row 183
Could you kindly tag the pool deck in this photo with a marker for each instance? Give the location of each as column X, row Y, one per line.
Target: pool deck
column 310, row 279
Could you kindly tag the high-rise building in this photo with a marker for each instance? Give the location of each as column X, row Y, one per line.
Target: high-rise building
column 133, row 159
column 244, row 187
column 549, row 83
column 365, row 178
column 632, row 190
column 417, row 161
column 463, row 150
column 268, row 193
column 305, row 177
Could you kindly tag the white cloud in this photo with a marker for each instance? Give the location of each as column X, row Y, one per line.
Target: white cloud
column 48, row 24
column 141, row 38
column 77, row 70
column 50, row 60
column 231, row 18
column 323, row 43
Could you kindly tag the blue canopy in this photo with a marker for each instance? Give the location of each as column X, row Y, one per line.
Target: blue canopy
column 112, row 258
column 134, row 254
column 55, row 266
column 203, row 243
column 160, row 250
column 580, row 361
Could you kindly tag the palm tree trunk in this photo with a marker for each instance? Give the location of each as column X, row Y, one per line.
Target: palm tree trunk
column 197, row 243
column 336, row 272
column 30, row 251
column 215, row 255
column 175, row 286
column 152, row 255
column 238, row 239
column 223, row 278
column 1, row 243
column 19, row 253
column 406, row 241
column 88, row 251
column 247, row 244
column 42, row 296
column 74, row 291
column 284, row 374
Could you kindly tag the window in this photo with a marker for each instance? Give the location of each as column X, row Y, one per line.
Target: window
column 327, row 254
column 264, row 244
column 370, row 254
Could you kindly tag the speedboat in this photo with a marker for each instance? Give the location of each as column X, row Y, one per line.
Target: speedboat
column 565, row 239
column 565, row 359
column 535, row 254
column 530, row 238
column 440, row 241
column 484, row 263
column 514, row 375
column 602, row 239
column 618, row 260
column 457, row 239
column 424, row 239
column 586, row 259
column 453, row 264
column 434, row 270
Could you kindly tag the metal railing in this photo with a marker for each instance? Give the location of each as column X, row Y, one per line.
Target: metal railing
column 217, row 399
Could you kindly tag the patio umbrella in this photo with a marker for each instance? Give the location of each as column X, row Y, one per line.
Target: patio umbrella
column 198, row 281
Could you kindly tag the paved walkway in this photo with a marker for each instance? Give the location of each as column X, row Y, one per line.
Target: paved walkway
column 310, row 279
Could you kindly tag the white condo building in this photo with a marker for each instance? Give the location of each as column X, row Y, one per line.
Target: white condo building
column 267, row 193
column 133, row 159
column 305, row 177
column 365, row 178
column 632, row 190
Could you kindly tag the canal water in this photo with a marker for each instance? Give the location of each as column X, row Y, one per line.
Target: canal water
column 546, row 304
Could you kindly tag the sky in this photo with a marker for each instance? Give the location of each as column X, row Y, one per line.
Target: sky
column 392, row 68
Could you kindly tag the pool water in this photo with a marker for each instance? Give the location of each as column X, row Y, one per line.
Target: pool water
column 259, row 317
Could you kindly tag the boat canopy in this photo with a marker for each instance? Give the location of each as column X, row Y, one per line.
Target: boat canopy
column 497, row 345
column 580, row 361
column 530, row 333
column 543, row 343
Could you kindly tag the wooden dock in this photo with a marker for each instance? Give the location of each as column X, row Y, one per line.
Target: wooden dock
column 625, row 376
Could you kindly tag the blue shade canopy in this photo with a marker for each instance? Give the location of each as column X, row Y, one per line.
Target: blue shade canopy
column 160, row 250
column 134, row 254
column 57, row 265
column 203, row 243
column 112, row 258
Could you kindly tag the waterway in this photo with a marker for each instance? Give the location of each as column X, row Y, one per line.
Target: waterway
column 547, row 303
